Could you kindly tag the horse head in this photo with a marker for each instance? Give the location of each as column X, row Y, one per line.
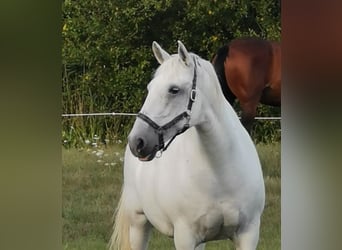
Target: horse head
column 168, row 109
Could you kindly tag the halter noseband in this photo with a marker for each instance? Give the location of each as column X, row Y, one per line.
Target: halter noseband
column 185, row 115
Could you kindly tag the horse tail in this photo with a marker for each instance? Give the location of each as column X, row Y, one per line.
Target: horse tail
column 120, row 237
column 218, row 62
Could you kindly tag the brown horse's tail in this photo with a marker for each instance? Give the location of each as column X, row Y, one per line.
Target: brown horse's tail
column 218, row 61
column 120, row 236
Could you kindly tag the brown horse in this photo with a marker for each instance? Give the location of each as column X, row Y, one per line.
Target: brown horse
column 249, row 69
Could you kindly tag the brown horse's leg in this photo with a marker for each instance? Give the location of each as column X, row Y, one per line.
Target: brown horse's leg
column 248, row 114
column 271, row 97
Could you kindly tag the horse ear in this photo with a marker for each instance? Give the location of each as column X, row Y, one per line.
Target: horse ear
column 160, row 54
column 183, row 53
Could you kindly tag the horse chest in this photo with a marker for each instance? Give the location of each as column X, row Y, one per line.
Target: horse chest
column 168, row 197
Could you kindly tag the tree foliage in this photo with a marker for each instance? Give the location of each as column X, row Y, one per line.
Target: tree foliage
column 107, row 58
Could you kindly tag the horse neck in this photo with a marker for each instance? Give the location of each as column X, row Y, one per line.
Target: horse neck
column 221, row 128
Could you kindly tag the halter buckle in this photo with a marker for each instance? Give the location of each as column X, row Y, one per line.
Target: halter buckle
column 193, row 95
column 159, row 153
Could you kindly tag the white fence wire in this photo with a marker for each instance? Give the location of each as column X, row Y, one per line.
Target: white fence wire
column 134, row 114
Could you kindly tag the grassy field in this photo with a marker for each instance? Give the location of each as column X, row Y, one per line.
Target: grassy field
column 92, row 179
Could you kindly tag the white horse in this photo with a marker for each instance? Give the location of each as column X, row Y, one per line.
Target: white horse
column 208, row 184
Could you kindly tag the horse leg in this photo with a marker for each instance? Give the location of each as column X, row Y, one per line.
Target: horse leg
column 139, row 232
column 271, row 96
column 200, row 247
column 248, row 114
column 185, row 240
column 248, row 237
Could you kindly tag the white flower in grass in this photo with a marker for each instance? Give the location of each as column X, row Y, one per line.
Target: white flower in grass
column 121, row 159
column 96, row 137
column 99, row 161
column 113, row 164
column 94, row 144
column 117, row 153
column 94, row 152
column 99, row 153
column 106, row 164
column 87, row 142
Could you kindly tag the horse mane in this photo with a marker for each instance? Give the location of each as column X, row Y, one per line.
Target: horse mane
column 218, row 62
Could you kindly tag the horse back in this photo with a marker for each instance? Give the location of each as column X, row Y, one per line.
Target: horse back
column 250, row 65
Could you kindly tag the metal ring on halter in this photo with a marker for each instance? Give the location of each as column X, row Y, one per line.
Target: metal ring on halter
column 193, row 95
column 159, row 153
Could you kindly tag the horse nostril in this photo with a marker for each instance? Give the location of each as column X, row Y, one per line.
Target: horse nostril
column 140, row 145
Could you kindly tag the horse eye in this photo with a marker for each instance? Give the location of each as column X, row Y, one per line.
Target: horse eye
column 173, row 90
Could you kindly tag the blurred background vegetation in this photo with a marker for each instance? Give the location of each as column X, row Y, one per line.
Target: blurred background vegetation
column 107, row 59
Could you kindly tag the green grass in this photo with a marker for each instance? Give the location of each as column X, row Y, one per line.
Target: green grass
column 92, row 179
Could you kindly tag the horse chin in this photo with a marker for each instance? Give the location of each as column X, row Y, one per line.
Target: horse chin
column 149, row 157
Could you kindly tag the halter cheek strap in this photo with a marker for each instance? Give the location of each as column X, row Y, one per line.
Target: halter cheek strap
column 160, row 130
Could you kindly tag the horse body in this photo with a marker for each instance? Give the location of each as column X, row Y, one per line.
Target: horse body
column 208, row 185
column 249, row 69
column 185, row 188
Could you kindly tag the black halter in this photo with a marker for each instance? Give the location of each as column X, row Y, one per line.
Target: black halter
column 185, row 115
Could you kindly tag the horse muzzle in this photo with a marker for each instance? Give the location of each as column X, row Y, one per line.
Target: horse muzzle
column 143, row 146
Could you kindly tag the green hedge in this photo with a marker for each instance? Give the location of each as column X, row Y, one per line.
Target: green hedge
column 107, row 58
